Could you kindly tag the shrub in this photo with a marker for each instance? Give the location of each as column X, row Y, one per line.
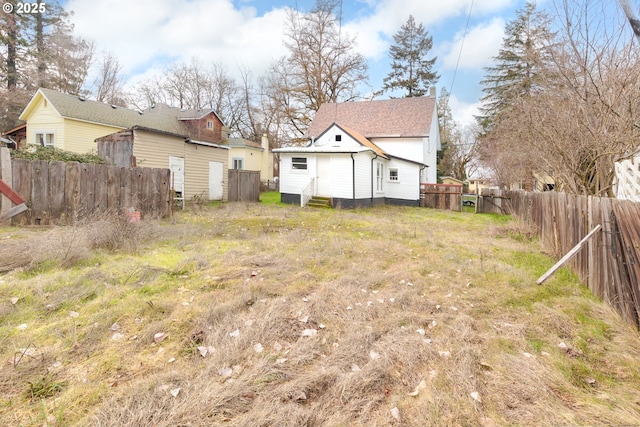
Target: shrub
column 36, row 152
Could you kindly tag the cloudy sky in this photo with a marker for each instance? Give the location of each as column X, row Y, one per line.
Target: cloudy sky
column 145, row 35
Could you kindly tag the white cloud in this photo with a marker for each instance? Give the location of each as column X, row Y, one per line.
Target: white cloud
column 480, row 46
column 152, row 32
column 463, row 112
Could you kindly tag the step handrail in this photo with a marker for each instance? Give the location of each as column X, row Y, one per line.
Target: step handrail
column 307, row 192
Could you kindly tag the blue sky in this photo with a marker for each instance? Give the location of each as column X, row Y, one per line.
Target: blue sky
column 147, row 34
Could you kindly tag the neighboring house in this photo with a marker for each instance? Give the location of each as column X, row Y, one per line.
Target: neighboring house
column 343, row 165
column 73, row 123
column 198, row 168
column 476, row 185
column 249, row 155
column 449, row 180
column 161, row 136
column 365, row 153
column 17, row 136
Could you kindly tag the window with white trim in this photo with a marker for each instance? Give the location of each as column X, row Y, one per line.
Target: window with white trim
column 299, row 163
column 209, row 124
column 379, row 176
column 45, row 139
column 393, row 174
column 237, row 163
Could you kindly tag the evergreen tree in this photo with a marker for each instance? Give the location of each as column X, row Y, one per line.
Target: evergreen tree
column 410, row 69
column 520, row 65
column 448, row 134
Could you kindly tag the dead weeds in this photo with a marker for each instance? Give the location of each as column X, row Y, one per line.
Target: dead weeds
column 254, row 315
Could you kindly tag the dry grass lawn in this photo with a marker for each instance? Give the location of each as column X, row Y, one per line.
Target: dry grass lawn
column 268, row 315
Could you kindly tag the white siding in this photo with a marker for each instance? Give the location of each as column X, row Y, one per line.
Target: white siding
column 292, row 181
column 363, row 175
column 408, row 184
column 423, row 150
column 328, row 139
column 407, row 148
column 342, row 176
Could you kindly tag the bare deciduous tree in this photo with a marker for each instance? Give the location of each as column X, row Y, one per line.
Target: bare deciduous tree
column 109, row 84
column 584, row 116
column 322, row 66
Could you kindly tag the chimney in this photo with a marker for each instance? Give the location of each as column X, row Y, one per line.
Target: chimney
column 266, row 172
column 432, row 92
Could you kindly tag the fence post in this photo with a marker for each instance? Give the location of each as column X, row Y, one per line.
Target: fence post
column 6, row 176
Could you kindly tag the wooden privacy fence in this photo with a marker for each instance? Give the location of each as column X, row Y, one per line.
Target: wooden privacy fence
column 441, row 196
column 244, row 186
column 61, row 192
column 609, row 264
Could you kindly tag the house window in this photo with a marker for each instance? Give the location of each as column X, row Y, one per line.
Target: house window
column 45, row 139
column 209, row 124
column 338, row 138
column 379, row 176
column 393, row 174
column 237, row 163
column 299, row 163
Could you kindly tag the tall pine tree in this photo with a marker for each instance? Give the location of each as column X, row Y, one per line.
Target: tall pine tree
column 520, row 65
column 410, row 68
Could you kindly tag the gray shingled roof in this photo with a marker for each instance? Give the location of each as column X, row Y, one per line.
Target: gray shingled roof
column 161, row 117
column 406, row 117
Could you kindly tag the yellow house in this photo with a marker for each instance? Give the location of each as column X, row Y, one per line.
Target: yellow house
column 449, row 180
column 476, row 185
column 54, row 119
column 249, row 155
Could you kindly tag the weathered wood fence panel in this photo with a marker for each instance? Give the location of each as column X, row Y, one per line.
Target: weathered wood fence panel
column 60, row 193
column 441, row 196
column 610, row 263
column 244, row 185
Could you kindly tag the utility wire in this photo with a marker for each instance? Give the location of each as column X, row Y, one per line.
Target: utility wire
column 464, row 36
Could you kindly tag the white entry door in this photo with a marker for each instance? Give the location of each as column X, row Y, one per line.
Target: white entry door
column 323, row 176
column 215, row 180
column 176, row 165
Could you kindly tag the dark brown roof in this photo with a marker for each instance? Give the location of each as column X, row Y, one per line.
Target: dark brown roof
column 406, row 117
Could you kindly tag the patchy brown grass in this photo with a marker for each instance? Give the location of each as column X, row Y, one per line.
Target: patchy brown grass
column 255, row 315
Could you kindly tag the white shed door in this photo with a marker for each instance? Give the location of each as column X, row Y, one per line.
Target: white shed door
column 323, row 175
column 215, row 180
column 176, row 164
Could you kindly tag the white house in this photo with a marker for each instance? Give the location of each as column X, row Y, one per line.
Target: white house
column 364, row 153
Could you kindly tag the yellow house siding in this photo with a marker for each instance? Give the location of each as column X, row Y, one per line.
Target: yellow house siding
column 45, row 119
column 196, row 175
column 81, row 136
column 153, row 150
column 252, row 158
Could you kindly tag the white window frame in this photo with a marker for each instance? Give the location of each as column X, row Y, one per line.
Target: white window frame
column 209, row 124
column 237, row 161
column 42, row 137
column 394, row 175
column 297, row 164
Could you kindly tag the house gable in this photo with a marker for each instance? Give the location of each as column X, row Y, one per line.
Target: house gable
column 340, row 137
column 205, row 126
column 406, row 127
